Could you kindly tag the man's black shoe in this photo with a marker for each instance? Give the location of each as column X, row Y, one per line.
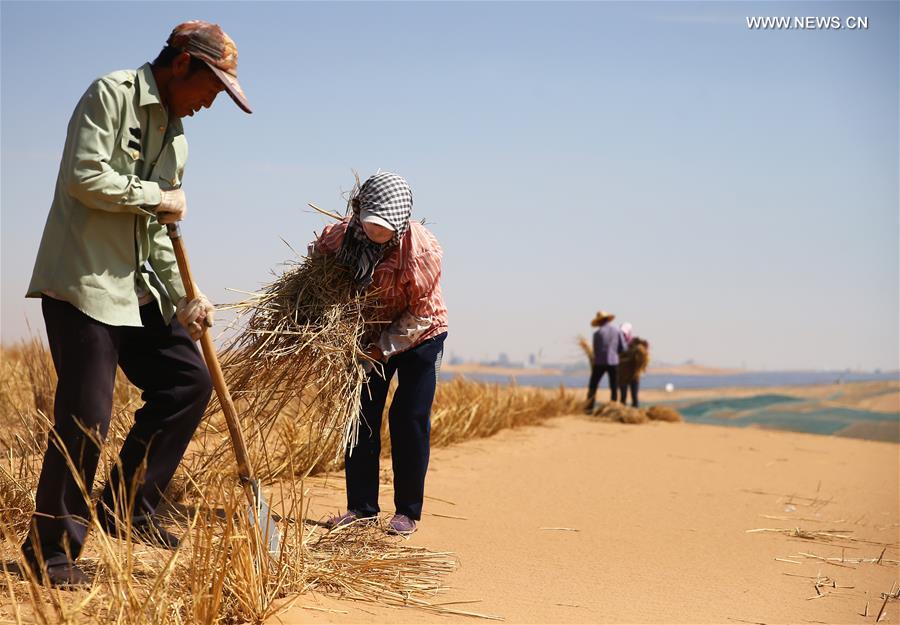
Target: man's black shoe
column 153, row 533
column 149, row 532
column 67, row 576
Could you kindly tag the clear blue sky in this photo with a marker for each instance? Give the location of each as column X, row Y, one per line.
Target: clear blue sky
column 732, row 193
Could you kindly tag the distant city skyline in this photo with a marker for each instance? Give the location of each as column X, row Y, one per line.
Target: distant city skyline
column 731, row 192
column 499, row 361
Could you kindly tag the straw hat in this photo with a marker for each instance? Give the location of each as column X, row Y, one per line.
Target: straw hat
column 602, row 316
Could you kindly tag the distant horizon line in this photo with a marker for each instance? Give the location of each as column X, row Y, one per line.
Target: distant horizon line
column 453, row 360
column 578, row 364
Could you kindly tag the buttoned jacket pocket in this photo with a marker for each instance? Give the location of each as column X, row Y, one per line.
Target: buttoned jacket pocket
column 170, row 166
column 127, row 155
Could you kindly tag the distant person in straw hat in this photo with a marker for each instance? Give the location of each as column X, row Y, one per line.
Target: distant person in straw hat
column 632, row 364
column 609, row 342
column 112, row 296
column 401, row 260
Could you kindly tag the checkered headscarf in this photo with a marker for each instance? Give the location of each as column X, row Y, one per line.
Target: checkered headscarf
column 388, row 196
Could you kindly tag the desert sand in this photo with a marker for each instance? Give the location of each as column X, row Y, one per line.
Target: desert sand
column 580, row 521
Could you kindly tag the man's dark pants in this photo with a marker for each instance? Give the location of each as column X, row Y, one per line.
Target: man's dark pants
column 597, row 372
column 161, row 360
column 410, row 426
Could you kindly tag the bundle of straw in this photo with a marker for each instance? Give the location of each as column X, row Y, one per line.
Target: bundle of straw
column 664, row 413
column 297, row 356
column 587, row 348
column 621, row 413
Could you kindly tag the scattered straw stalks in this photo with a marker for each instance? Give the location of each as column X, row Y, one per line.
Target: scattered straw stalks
column 213, row 577
column 842, row 538
column 845, row 561
column 823, row 536
column 216, row 576
column 893, row 595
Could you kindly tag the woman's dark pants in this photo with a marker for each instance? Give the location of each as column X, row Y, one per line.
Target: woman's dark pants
column 623, row 393
column 161, row 360
column 410, row 426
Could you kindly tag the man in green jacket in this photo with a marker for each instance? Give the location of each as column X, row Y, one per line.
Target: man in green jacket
column 111, row 295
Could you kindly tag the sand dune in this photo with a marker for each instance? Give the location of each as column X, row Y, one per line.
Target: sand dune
column 651, row 526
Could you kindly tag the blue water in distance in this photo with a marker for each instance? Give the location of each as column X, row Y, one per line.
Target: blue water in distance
column 657, row 380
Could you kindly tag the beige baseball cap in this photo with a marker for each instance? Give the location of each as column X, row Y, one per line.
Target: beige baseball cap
column 209, row 43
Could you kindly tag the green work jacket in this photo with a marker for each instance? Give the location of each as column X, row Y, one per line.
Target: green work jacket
column 101, row 234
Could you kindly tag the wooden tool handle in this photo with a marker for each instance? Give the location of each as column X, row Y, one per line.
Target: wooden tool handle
column 212, row 361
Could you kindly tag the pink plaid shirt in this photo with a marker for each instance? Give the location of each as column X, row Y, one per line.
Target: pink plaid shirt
column 408, row 278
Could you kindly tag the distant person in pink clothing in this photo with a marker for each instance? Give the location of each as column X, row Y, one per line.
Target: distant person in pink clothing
column 627, row 331
column 632, row 364
column 401, row 260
